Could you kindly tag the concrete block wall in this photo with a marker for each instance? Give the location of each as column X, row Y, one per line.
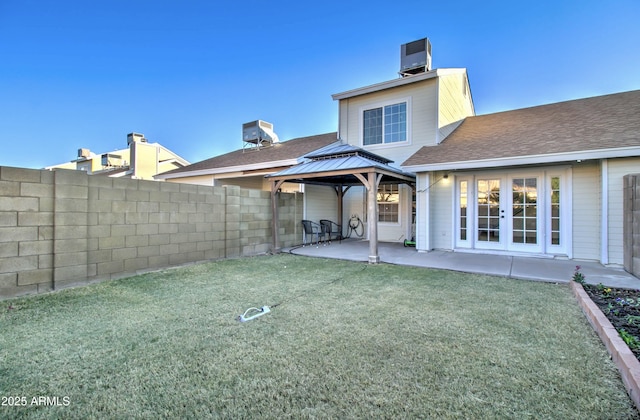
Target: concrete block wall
column 26, row 231
column 631, row 223
column 65, row 228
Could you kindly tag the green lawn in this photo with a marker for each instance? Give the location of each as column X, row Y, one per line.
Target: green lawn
column 347, row 340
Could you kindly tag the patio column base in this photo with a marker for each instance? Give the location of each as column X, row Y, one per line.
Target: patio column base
column 374, row 259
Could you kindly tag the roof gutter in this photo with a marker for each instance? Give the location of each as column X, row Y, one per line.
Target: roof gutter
column 228, row 169
column 526, row 160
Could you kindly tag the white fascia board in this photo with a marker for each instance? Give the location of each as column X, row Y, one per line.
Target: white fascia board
column 228, row 169
column 394, row 83
column 527, row 160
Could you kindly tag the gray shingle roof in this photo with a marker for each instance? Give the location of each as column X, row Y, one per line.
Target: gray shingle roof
column 286, row 150
column 603, row 122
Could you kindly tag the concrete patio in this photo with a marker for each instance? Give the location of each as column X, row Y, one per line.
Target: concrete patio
column 530, row 268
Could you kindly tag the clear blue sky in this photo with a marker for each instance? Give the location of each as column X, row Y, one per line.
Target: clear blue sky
column 189, row 73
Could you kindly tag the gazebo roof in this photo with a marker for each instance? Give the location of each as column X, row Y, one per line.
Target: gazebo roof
column 337, row 165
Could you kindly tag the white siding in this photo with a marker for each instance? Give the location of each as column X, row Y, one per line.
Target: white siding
column 423, row 118
column 454, row 103
column 422, row 221
column 320, row 203
column 398, row 232
column 442, row 211
column 586, row 211
column 617, row 169
column 355, row 203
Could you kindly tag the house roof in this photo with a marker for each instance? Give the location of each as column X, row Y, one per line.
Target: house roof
column 280, row 154
column 592, row 128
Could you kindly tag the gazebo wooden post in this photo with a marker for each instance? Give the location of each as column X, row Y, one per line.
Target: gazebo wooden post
column 374, row 181
column 340, row 191
column 275, row 223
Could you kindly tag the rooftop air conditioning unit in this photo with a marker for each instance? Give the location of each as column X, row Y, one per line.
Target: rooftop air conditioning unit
column 111, row 160
column 415, row 57
column 84, row 153
column 135, row 137
column 258, row 133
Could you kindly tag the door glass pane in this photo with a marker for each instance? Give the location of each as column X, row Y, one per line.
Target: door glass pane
column 555, row 210
column 488, row 210
column 525, row 210
column 463, row 210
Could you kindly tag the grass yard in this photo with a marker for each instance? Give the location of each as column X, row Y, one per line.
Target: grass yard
column 348, row 340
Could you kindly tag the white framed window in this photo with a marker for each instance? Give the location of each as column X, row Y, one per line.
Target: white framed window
column 388, row 203
column 385, row 123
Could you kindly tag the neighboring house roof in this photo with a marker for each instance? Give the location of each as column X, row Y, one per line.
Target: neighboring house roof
column 280, row 154
column 592, row 128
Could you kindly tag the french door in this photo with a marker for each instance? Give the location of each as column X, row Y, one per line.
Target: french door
column 489, row 214
column 505, row 212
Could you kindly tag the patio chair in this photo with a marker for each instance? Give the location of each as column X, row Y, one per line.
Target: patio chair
column 331, row 229
column 310, row 229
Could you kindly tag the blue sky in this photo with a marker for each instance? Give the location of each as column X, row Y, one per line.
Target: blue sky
column 189, row 73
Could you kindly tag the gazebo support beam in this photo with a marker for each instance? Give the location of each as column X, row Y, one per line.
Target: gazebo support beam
column 275, row 223
column 371, row 182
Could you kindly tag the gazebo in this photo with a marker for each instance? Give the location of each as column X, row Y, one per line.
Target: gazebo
column 342, row 166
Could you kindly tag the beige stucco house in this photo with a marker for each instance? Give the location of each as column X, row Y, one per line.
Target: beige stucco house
column 140, row 160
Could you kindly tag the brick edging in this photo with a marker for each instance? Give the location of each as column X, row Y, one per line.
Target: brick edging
column 625, row 360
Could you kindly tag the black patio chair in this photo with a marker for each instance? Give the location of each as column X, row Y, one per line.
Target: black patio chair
column 310, row 229
column 331, row 229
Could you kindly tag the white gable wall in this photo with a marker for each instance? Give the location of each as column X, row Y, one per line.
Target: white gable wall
column 454, row 102
column 422, row 118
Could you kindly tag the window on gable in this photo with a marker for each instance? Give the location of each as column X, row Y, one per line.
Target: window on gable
column 386, row 124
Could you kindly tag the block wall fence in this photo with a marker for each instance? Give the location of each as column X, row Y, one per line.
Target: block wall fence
column 631, row 223
column 65, row 228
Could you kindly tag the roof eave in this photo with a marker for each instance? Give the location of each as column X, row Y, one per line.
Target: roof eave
column 395, row 82
column 229, row 169
column 527, row 160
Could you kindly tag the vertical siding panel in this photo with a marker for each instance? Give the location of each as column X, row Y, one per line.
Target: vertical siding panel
column 321, row 203
column 441, row 211
column 618, row 168
column 586, row 211
column 423, row 227
column 454, row 103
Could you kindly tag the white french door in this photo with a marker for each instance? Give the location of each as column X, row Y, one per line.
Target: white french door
column 489, row 214
column 524, row 225
column 519, row 212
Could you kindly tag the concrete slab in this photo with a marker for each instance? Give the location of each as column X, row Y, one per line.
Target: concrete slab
column 519, row 267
